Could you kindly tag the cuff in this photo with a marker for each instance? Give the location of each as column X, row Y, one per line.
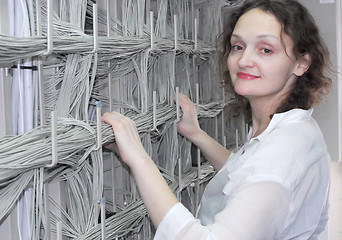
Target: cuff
column 173, row 222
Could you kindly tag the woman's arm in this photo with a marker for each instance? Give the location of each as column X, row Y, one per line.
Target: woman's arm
column 255, row 211
column 189, row 127
column 155, row 192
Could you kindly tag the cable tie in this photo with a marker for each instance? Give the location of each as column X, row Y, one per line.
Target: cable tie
column 33, row 68
column 53, row 140
column 98, row 125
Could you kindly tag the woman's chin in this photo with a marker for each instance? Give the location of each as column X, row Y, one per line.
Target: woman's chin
column 243, row 91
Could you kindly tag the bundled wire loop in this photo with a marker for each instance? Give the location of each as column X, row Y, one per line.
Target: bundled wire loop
column 130, row 62
column 21, row 154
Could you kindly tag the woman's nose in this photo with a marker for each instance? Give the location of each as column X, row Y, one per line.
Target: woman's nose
column 247, row 58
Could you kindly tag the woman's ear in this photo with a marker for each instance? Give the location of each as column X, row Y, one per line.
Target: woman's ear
column 303, row 64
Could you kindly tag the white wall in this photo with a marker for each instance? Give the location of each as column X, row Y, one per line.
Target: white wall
column 335, row 225
column 328, row 115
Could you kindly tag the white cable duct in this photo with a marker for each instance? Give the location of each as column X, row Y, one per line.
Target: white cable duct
column 22, row 97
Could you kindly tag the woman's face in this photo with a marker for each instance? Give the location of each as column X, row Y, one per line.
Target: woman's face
column 261, row 62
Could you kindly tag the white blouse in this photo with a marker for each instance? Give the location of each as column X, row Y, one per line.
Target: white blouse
column 275, row 187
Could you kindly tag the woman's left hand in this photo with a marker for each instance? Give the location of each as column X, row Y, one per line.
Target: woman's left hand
column 127, row 139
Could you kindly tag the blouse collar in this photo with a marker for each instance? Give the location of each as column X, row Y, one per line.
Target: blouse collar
column 280, row 119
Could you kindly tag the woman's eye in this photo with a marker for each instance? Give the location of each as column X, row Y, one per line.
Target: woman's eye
column 237, row 47
column 266, row 51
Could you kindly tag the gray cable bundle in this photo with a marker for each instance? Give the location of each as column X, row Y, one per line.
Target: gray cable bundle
column 20, row 155
column 13, row 49
column 79, row 77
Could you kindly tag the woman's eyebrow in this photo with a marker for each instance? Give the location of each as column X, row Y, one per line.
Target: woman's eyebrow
column 258, row 36
column 268, row 36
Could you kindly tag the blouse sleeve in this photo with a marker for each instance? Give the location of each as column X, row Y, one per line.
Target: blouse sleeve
column 255, row 211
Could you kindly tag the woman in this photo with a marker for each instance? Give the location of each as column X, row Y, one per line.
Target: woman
column 276, row 186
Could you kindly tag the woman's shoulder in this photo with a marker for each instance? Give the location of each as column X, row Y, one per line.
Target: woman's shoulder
column 283, row 153
column 300, row 137
column 287, row 152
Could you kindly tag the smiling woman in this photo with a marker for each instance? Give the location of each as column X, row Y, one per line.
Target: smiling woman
column 276, row 186
column 299, row 42
column 258, row 45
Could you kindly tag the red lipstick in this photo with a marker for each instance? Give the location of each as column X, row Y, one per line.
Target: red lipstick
column 247, row 76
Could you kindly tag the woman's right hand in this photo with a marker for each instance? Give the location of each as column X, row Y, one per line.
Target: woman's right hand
column 188, row 126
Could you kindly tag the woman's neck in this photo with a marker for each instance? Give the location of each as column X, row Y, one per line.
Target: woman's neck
column 261, row 117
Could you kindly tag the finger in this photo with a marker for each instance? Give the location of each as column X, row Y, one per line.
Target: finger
column 120, row 123
column 185, row 103
column 111, row 147
column 112, row 117
column 183, row 97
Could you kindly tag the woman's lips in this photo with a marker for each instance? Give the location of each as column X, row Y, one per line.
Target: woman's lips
column 247, row 76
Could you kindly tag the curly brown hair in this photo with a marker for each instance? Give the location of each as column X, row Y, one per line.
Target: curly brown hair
column 309, row 89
